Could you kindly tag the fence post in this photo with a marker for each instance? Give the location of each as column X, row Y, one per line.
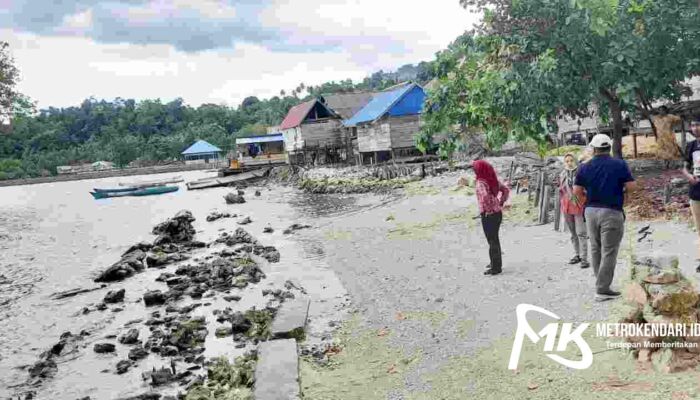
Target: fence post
column 544, row 209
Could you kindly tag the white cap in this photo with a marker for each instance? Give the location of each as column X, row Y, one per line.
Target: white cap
column 601, row 140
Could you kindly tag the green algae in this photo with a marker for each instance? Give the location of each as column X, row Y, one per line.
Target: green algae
column 261, row 321
column 226, row 381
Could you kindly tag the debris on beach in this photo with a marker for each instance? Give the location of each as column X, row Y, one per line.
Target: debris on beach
column 662, row 296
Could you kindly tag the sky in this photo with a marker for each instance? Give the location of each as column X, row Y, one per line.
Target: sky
column 213, row 51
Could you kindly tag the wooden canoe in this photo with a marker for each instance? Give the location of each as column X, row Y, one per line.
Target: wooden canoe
column 215, row 182
column 159, row 182
column 137, row 192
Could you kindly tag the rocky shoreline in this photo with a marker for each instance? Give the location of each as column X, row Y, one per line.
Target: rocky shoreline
column 196, row 274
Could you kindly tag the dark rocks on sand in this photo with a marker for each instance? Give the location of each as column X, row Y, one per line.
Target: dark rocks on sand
column 245, row 221
column 129, row 264
column 239, row 323
column 137, row 353
column 131, row 337
column 178, row 229
column 104, row 348
column 257, row 193
column 114, row 296
column 269, row 253
column 234, row 198
column 43, row 369
column 160, row 259
column 216, row 215
column 223, row 331
column 161, row 377
column 153, row 297
column 268, row 229
column 232, row 298
column 144, row 396
column 295, row 227
column 142, row 246
column 123, row 366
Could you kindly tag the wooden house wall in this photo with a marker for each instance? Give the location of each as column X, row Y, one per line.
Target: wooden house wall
column 374, row 137
column 403, row 130
column 327, row 132
column 292, row 139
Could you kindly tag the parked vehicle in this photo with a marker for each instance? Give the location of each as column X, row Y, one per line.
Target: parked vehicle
column 576, row 139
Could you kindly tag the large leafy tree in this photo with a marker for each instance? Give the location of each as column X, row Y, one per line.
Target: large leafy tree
column 557, row 57
column 9, row 75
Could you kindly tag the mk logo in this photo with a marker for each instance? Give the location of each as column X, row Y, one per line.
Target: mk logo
column 550, row 334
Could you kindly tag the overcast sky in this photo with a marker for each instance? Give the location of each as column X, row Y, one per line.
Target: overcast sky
column 212, row 51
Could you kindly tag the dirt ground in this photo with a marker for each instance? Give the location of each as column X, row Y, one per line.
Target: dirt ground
column 429, row 325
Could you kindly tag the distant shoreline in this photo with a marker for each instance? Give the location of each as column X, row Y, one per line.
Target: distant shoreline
column 108, row 174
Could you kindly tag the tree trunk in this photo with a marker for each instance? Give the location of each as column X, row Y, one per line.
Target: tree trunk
column 616, row 112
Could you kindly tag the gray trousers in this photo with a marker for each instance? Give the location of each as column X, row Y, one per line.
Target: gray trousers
column 579, row 235
column 605, row 229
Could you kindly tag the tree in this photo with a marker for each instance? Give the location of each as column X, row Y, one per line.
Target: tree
column 564, row 55
column 9, row 76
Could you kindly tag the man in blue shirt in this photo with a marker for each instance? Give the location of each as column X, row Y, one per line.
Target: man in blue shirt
column 603, row 182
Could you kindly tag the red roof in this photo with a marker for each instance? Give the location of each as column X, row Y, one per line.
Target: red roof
column 297, row 114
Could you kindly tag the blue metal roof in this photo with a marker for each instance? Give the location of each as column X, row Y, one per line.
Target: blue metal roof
column 200, row 147
column 379, row 105
column 277, row 137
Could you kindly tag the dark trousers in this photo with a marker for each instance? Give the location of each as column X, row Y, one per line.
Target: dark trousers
column 491, row 224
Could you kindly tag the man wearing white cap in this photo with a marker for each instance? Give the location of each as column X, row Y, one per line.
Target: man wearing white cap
column 603, row 181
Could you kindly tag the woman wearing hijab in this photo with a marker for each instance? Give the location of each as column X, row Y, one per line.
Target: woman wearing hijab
column 491, row 195
column 572, row 207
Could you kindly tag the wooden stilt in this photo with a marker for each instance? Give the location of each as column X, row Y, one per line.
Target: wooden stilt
column 634, row 144
column 667, row 194
column 544, row 210
column 684, row 139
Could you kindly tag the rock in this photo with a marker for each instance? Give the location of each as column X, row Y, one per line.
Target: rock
column 178, row 229
column 104, row 348
column 223, row 331
column 162, row 376
column 675, row 299
column 232, row 298
column 160, row 259
column 635, row 294
column 234, row 198
column 43, row 369
column 164, row 277
column 169, row 351
column 269, row 253
column 137, row 353
column 662, row 277
column 295, row 227
column 126, row 267
column 131, row 337
column 114, row 296
column 245, row 221
column 216, row 215
column 153, row 297
column 123, row 366
column 257, row 193
column 239, row 323
column 240, row 192
column 277, row 371
column 268, row 229
column 142, row 246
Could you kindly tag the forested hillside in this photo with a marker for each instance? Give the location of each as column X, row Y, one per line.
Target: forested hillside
column 125, row 130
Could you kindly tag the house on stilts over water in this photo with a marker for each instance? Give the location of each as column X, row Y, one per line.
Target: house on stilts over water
column 386, row 126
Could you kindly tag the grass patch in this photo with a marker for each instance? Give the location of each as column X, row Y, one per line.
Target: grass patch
column 226, row 381
column 464, row 327
column 425, row 230
column 419, row 189
column 366, row 367
column 185, row 333
column 561, row 151
column 435, row 318
column 338, row 235
column 521, row 211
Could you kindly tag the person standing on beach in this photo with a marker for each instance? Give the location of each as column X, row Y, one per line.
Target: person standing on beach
column 692, row 173
column 603, row 182
column 572, row 208
column 491, row 195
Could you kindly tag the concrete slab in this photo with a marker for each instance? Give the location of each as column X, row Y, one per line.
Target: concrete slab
column 277, row 371
column 290, row 321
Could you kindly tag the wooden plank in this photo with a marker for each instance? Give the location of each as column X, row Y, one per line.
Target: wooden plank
column 684, row 139
column 557, row 211
column 634, row 142
column 544, row 209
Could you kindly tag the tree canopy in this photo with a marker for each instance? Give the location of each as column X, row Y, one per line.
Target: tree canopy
column 533, row 60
